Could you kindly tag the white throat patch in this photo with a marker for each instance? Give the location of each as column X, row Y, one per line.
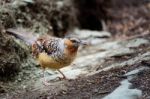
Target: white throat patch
column 62, row 45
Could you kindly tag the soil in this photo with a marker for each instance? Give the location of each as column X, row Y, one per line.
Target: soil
column 125, row 23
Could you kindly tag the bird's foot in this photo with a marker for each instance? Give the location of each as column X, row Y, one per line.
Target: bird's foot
column 62, row 78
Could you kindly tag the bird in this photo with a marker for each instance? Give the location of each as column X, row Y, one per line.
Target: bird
column 51, row 52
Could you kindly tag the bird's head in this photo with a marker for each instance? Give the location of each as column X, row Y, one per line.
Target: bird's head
column 74, row 43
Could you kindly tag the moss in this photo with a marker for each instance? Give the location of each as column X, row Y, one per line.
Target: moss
column 11, row 56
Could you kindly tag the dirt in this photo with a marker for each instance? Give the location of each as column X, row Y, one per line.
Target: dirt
column 142, row 82
column 92, row 87
column 125, row 23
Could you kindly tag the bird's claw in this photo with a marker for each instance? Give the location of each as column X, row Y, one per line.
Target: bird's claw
column 62, row 78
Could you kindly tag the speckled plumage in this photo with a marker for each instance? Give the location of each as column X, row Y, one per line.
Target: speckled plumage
column 53, row 52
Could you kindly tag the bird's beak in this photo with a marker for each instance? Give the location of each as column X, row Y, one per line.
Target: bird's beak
column 83, row 42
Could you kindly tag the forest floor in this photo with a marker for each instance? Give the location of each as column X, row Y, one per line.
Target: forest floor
column 99, row 68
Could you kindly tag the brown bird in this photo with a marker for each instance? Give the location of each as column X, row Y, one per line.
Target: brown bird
column 51, row 52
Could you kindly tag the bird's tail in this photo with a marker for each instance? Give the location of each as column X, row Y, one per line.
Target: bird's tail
column 27, row 37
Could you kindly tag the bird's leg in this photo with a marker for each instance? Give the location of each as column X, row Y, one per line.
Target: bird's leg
column 64, row 77
column 45, row 81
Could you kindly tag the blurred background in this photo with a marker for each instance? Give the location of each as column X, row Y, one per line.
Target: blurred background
column 118, row 32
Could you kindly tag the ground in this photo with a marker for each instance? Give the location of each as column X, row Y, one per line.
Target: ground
column 99, row 68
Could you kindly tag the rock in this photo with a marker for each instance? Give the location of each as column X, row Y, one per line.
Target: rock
column 135, row 42
column 12, row 54
column 124, row 92
column 122, row 44
column 84, row 34
column 20, row 3
column 135, row 72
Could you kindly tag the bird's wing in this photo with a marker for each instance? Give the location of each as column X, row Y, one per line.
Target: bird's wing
column 51, row 45
column 26, row 36
column 45, row 44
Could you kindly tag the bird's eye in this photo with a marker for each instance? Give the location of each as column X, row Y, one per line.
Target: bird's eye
column 74, row 41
